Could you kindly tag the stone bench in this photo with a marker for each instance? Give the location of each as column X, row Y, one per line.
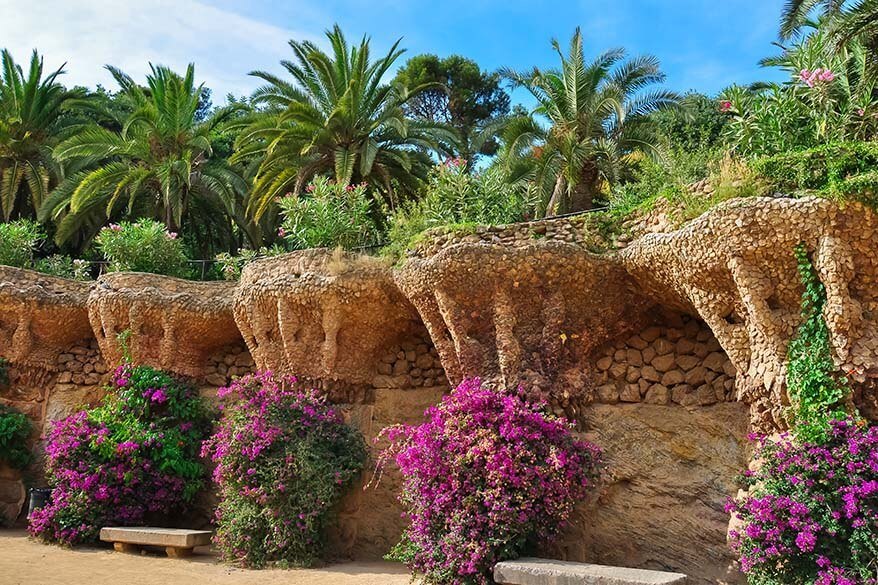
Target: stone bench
column 530, row 571
column 177, row 542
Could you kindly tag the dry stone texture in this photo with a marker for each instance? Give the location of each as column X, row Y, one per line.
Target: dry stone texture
column 532, row 311
column 40, row 316
column 734, row 267
column 175, row 324
column 319, row 315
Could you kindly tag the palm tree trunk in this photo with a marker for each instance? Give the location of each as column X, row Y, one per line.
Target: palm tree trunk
column 557, row 197
column 582, row 196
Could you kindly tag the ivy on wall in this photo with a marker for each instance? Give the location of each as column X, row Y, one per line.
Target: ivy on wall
column 817, row 392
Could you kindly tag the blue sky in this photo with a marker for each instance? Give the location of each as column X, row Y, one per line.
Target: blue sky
column 703, row 44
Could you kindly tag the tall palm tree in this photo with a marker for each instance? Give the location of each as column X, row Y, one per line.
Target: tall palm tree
column 847, row 20
column 34, row 112
column 598, row 123
column 335, row 117
column 159, row 164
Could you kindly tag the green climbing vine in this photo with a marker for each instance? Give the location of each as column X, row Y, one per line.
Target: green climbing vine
column 817, row 391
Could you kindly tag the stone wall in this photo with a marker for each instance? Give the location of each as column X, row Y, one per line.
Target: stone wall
column 665, row 350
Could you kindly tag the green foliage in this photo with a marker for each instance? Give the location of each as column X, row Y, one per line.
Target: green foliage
column 335, row 118
column 457, row 93
column 831, row 96
column 34, row 115
column 63, row 266
column 132, row 459
column 229, row 266
column 331, row 214
column 816, row 391
column 453, row 197
column 693, row 127
column 15, row 429
column 598, row 114
column 18, row 241
column 838, row 169
column 143, row 246
column 158, row 164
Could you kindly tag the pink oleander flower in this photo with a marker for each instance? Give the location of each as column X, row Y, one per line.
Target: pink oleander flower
column 725, row 106
column 172, row 235
column 114, row 227
column 281, row 232
column 817, row 76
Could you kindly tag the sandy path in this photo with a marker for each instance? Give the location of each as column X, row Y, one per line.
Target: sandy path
column 24, row 562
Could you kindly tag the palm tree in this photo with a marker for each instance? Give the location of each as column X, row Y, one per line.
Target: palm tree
column 34, row 112
column 159, row 164
column 847, row 20
column 598, row 115
column 336, row 117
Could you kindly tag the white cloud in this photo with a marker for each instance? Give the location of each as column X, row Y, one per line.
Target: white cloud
column 130, row 34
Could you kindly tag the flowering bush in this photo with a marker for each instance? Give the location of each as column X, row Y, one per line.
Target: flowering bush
column 143, row 246
column 283, row 459
column 133, row 458
column 15, row 428
column 488, row 476
column 18, row 240
column 812, row 512
column 332, row 214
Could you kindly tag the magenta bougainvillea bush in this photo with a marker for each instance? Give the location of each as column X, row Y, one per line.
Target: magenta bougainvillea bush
column 284, row 457
column 811, row 515
column 132, row 459
column 490, row 475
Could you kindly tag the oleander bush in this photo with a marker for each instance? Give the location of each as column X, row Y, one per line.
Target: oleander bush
column 18, row 241
column 131, row 460
column 284, row 457
column 454, row 196
column 142, row 246
column 489, row 476
column 331, row 214
column 15, row 429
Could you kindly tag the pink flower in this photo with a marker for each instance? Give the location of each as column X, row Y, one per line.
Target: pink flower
column 172, row 235
column 281, row 232
column 725, row 106
column 115, row 227
column 310, row 188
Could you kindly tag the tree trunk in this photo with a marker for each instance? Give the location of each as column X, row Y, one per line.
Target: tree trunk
column 555, row 202
column 582, row 195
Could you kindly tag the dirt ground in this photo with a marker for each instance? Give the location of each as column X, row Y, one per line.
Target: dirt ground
column 25, row 562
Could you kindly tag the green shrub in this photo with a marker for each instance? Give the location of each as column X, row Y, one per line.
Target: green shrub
column 18, row 240
column 229, row 267
column 847, row 169
column 143, row 246
column 455, row 197
column 14, row 431
column 63, row 266
column 331, row 215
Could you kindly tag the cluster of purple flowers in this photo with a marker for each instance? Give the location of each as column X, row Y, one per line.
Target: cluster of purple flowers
column 113, row 466
column 811, row 515
column 283, row 459
column 487, row 476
